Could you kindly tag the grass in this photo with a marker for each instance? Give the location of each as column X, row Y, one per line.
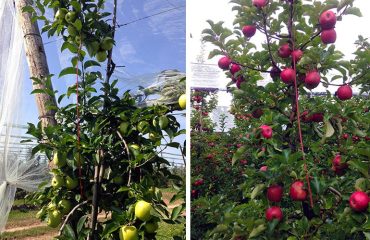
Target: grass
column 32, row 232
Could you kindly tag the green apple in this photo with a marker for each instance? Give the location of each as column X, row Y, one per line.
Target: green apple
column 143, row 126
column 182, row 101
column 57, row 181
column 71, row 183
column 123, row 116
column 124, row 128
column 51, row 206
column 142, row 210
column 65, row 206
column 41, row 213
column 101, row 56
column 60, row 14
column 72, row 31
column 55, row 218
column 128, row 233
column 151, row 227
column 59, row 159
column 107, row 43
column 163, row 122
column 70, row 17
column 93, row 48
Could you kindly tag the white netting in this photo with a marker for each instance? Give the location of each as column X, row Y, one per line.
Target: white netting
column 17, row 168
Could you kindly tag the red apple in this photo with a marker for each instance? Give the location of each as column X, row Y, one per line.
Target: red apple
column 328, row 36
column 338, row 164
column 259, row 3
column 296, row 192
column 194, row 193
column 312, row 79
column 297, row 55
column 275, row 193
column 266, row 131
column 234, row 68
column 224, row 63
column 263, row 168
column 345, row 136
column 359, row 201
column 243, row 162
column 327, row 20
column 287, row 75
column 344, row 92
column 274, row 212
column 249, row 31
column 284, row 51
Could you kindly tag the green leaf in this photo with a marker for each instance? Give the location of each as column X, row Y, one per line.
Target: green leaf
column 257, row 190
column 69, row 233
column 329, row 130
column 359, row 166
column 353, row 11
column 69, row 70
column 367, row 235
column 219, row 229
column 123, row 189
column 257, row 230
column 81, row 223
column 91, row 63
column 176, row 211
column 238, row 154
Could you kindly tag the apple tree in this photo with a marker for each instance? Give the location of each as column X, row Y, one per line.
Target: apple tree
column 105, row 150
column 308, row 155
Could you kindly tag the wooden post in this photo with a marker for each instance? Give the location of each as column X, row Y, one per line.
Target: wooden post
column 36, row 58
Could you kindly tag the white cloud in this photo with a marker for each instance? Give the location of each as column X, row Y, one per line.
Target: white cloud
column 171, row 24
column 128, row 52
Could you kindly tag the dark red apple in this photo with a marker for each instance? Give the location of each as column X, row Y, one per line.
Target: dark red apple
column 257, row 113
column 297, row 55
column 239, row 82
column 287, row 75
column 316, row 117
column 344, row 92
column 359, row 201
column 266, row 131
column 328, row 36
column 224, row 63
column 275, row 193
column 259, row 3
column 312, row 80
column 327, row 20
column 296, row 192
column 345, row 136
column 243, row 162
column 285, row 51
column 249, row 30
column 234, row 68
column 263, row 168
column 274, row 212
column 194, row 193
column 275, row 72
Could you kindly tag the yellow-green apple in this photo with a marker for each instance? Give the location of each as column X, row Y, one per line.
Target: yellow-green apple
column 128, row 233
column 142, row 210
column 107, row 43
column 55, row 218
column 182, row 101
column 65, row 206
column 70, row 17
column 71, row 183
column 57, row 181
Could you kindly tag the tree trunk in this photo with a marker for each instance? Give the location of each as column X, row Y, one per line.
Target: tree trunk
column 36, row 58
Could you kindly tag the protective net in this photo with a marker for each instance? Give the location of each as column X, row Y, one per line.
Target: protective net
column 17, row 168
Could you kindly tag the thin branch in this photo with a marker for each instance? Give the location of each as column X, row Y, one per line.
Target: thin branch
column 309, row 40
column 252, row 68
column 183, row 157
column 128, row 155
column 268, row 39
column 70, row 214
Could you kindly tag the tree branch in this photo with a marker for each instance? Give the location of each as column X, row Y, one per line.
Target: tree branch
column 70, row 214
column 268, row 39
column 310, row 40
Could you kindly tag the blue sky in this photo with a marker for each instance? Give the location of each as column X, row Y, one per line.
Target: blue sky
column 145, row 47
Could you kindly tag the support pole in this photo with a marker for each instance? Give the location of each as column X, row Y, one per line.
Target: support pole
column 36, row 58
